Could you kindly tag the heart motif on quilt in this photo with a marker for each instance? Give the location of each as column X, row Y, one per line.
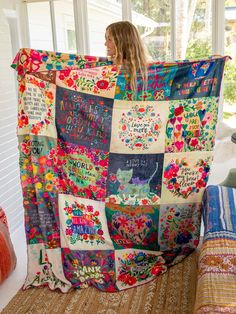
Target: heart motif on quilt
column 134, row 229
column 178, row 127
column 172, row 120
column 179, row 145
column 182, row 179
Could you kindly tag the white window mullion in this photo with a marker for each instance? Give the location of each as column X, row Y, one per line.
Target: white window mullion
column 53, row 25
column 23, row 22
column 218, row 26
column 218, row 42
column 126, row 10
column 173, row 31
column 81, row 26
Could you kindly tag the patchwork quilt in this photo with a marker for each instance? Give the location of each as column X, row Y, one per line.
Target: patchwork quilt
column 216, row 287
column 112, row 179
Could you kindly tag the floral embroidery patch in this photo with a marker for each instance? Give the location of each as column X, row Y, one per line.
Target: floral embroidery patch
column 185, row 176
column 135, row 227
column 36, row 108
column 82, row 171
column 38, row 162
column 174, row 171
column 135, row 267
column 179, row 226
column 98, row 81
column 83, row 224
column 138, row 127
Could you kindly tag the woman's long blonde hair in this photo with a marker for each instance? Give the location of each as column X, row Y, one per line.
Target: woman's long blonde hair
column 130, row 51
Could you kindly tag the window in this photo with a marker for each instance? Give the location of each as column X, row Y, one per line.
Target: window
column 152, row 18
column 71, row 40
column 193, row 29
column 40, row 32
column 65, row 26
column 101, row 13
column 230, row 70
column 171, row 30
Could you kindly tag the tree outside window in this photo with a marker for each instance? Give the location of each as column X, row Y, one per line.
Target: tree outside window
column 230, row 69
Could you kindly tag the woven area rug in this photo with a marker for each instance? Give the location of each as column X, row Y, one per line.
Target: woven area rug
column 171, row 293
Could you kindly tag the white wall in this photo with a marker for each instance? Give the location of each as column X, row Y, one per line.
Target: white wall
column 10, row 189
column 99, row 17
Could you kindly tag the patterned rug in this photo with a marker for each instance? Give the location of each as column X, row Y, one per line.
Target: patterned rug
column 171, row 293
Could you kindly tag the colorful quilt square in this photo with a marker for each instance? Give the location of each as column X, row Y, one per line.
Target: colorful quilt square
column 158, row 87
column 41, row 218
column 38, row 162
column 83, row 269
column 197, row 79
column 135, row 267
column 45, row 268
column 133, row 226
column 191, row 125
column 134, row 179
column 100, row 81
column 138, row 127
column 179, row 226
column 83, row 224
column 82, row 171
column 36, row 114
column 185, row 177
column 83, row 119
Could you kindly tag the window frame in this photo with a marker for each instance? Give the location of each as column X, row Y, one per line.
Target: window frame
column 82, row 27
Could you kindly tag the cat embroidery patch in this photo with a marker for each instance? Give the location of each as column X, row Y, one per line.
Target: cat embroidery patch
column 134, row 179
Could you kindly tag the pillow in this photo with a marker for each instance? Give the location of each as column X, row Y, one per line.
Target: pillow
column 7, row 254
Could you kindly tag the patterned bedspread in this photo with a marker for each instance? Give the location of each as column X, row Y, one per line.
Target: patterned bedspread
column 216, row 288
column 112, row 180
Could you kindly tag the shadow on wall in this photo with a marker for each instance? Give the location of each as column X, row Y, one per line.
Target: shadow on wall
column 10, row 195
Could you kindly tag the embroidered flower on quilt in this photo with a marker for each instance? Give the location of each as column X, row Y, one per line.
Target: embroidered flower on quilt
column 174, row 183
column 140, row 127
column 83, row 224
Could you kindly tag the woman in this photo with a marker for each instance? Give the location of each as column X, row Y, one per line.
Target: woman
column 125, row 48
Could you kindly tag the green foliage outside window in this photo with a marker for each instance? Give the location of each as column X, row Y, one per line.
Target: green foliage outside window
column 230, row 82
column 198, row 47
